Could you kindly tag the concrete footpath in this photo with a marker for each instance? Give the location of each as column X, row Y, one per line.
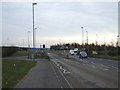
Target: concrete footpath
column 44, row 75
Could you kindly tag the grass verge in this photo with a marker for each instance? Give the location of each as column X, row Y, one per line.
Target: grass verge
column 14, row 70
column 107, row 57
column 20, row 53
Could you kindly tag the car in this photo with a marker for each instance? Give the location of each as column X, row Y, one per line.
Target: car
column 83, row 54
column 71, row 52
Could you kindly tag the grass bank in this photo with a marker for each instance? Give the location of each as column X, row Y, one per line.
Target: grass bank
column 14, row 70
column 20, row 53
column 107, row 57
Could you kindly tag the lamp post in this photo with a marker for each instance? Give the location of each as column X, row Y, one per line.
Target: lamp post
column 35, row 37
column 87, row 37
column 96, row 39
column 28, row 40
column 82, row 37
column 118, row 41
column 33, row 26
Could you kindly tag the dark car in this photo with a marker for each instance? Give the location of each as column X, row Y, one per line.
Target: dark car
column 83, row 54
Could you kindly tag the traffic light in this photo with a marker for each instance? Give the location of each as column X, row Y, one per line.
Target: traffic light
column 43, row 45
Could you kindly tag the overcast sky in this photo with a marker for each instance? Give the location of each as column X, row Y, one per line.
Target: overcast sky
column 59, row 22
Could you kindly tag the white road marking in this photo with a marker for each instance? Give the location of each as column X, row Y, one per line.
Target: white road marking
column 76, row 62
column 58, row 79
column 92, row 62
column 105, row 69
column 57, row 76
column 60, row 67
column 65, row 79
column 115, row 67
column 48, row 53
column 93, row 66
column 104, row 66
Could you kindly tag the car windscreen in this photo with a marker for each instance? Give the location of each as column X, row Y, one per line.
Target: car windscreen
column 83, row 54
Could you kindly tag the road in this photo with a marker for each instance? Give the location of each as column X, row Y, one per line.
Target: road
column 109, row 63
column 88, row 73
column 44, row 75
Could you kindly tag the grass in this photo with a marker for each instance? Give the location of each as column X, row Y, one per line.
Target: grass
column 107, row 57
column 14, row 70
column 19, row 53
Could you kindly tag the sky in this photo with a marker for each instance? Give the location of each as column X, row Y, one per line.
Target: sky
column 59, row 22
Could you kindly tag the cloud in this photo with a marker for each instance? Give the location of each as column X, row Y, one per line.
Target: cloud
column 59, row 20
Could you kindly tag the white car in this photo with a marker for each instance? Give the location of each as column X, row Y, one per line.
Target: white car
column 71, row 52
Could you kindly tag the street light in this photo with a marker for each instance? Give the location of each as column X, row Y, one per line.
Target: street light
column 28, row 39
column 87, row 37
column 33, row 26
column 96, row 39
column 35, row 37
column 82, row 37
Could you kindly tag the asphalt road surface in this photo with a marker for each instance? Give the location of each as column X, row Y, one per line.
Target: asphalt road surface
column 44, row 75
column 89, row 73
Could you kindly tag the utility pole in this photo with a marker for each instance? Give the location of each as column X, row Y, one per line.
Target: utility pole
column 28, row 40
column 118, row 41
column 87, row 37
column 105, row 46
column 35, row 39
column 96, row 39
column 40, row 46
column 82, row 37
column 87, row 41
column 33, row 26
column 33, row 54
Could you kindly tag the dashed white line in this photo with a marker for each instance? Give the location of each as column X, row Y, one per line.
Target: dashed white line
column 57, row 76
column 105, row 69
column 58, row 79
column 93, row 66
column 65, row 79
column 76, row 62
column 104, row 66
column 115, row 67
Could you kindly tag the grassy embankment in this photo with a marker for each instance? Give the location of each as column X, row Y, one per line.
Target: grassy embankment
column 19, row 53
column 14, row 70
column 107, row 57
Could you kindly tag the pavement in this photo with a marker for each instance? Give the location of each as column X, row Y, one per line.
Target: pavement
column 44, row 75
